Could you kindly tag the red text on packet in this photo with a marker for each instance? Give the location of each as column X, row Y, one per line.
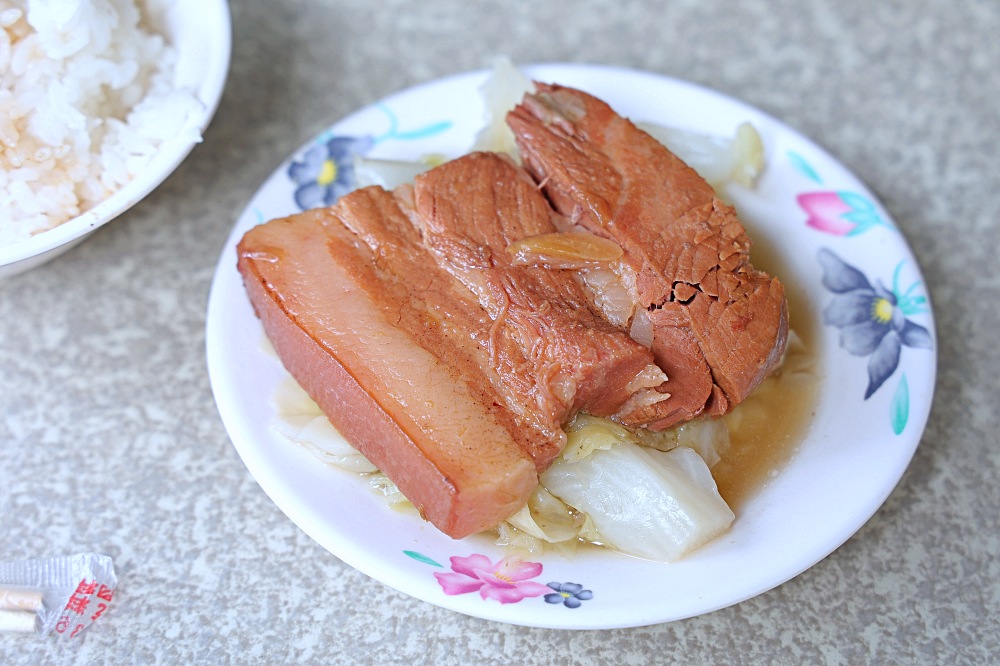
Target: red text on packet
column 79, row 603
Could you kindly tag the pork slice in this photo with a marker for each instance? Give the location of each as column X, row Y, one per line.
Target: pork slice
column 719, row 326
column 391, row 357
column 496, row 366
column 547, row 340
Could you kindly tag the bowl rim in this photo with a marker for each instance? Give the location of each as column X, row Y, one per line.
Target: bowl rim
column 164, row 163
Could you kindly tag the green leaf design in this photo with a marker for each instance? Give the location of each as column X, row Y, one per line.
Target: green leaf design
column 864, row 213
column 803, row 167
column 420, row 557
column 900, row 409
column 423, row 132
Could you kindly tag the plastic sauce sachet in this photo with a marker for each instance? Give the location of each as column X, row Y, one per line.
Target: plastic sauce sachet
column 61, row 594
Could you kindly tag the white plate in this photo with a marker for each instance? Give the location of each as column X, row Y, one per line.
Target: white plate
column 807, row 205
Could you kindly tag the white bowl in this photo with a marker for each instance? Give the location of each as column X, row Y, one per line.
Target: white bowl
column 201, row 33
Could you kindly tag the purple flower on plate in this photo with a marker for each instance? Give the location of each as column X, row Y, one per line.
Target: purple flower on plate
column 570, row 595
column 871, row 318
column 507, row 581
column 326, row 171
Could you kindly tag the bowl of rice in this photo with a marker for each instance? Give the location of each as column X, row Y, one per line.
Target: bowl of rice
column 100, row 101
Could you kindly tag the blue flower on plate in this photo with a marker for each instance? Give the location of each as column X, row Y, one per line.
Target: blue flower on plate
column 326, row 170
column 871, row 318
column 570, row 595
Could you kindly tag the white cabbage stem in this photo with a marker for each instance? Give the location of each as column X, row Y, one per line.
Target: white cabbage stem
column 652, row 504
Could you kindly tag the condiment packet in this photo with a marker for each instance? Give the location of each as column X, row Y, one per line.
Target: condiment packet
column 65, row 594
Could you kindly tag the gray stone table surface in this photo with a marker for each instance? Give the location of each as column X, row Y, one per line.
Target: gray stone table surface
column 111, row 441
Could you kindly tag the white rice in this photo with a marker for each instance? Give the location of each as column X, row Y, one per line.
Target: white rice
column 86, row 98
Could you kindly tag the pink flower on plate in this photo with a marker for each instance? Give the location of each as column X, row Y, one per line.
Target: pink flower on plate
column 839, row 213
column 507, row 581
column 826, row 212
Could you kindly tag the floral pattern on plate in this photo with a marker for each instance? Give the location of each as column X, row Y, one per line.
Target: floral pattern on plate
column 508, row 580
column 836, row 212
column 325, row 171
column 871, row 318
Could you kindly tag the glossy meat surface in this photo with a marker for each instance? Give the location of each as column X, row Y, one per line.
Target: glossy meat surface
column 386, row 368
column 548, row 343
column 719, row 326
column 452, row 370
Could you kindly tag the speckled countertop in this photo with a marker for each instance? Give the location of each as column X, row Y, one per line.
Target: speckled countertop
column 111, row 441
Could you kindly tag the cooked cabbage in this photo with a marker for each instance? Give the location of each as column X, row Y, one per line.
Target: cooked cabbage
column 389, row 174
column 615, row 488
column 502, row 91
column 301, row 420
column 708, row 437
column 387, row 488
column 546, row 517
column 719, row 160
column 652, row 504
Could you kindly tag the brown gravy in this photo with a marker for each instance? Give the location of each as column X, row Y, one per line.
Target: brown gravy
column 767, row 428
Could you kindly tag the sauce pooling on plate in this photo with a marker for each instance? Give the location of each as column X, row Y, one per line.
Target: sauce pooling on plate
column 766, row 430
